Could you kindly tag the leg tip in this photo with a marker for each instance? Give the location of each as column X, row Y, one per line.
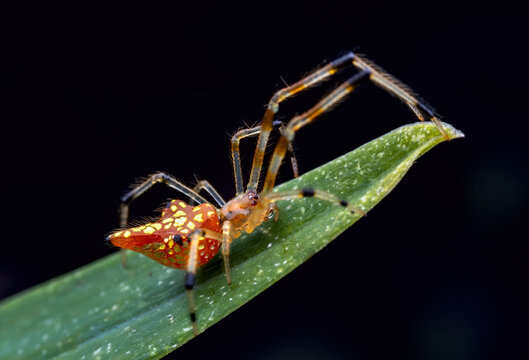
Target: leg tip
column 438, row 124
column 359, row 212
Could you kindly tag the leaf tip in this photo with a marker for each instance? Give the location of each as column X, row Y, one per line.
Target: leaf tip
column 451, row 131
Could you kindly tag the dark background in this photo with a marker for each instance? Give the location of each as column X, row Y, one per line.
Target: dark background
column 96, row 95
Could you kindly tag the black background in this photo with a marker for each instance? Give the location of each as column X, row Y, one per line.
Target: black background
column 96, row 95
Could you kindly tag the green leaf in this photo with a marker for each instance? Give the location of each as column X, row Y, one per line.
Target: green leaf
column 104, row 311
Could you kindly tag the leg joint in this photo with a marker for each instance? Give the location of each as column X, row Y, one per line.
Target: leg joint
column 342, row 60
column 161, row 177
column 307, row 192
column 190, row 280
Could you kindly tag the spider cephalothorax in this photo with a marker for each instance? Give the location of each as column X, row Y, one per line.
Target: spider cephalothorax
column 247, row 211
column 188, row 236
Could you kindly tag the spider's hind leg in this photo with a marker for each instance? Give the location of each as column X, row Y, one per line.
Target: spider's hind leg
column 204, row 184
column 140, row 189
column 396, row 88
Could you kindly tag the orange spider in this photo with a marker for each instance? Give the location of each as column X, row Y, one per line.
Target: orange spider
column 187, row 236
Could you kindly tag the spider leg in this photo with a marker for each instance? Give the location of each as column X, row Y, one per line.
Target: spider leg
column 389, row 83
column 293, row 159
column 273, row 107
column 140, row 189
column 204, row 184
column 377, row 75
column 306, row 118
column 226, row 242
column 191, row 269
column 319, row 194
column 190, row 277
column 236, row 155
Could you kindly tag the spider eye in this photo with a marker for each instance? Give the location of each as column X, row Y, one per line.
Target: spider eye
column 252, row 196
column 270, row 214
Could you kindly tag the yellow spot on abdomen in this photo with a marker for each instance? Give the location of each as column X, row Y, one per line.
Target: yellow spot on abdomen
column 190, row 225
column 198, row 218
column 179, row 213
column 171, row 243
column 173, row 207
column 196, row 208
column 210, row 213
column 167, row 220
column 182, row 204
column 157, row 226
column 180, row 221
column 127, row 234
column 148, row 230
column 167, row 226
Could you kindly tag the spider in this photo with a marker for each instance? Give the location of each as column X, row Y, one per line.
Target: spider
column 188, row 236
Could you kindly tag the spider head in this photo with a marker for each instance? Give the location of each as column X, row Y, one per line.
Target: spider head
column 247, row 211
column 253, row 197
column 240, row 206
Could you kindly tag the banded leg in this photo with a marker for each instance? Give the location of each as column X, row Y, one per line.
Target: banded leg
column 273, row 107
column 140, row 189
column 389, row 83
column 205, row 185
column 293, row 159
column 191, row 269
column 319, row 194
column 190, row 278
column 377, row 75
column 226, row 242
column 236, row 155
column 306, row 118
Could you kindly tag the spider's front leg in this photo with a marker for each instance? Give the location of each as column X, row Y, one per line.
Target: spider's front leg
column 273, row 107
column 304, row 119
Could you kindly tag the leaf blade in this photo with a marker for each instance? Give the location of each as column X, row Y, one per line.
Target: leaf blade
column 102, row 310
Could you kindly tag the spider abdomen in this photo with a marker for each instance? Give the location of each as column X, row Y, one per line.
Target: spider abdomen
column 167, row 240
